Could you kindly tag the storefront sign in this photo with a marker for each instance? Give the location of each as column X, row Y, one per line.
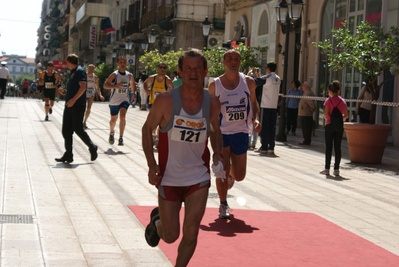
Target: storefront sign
column 60, row 64
column 92, row 37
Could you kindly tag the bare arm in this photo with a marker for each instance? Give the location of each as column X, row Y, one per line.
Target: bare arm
column 57, row 79
column 169, row 84
column 254, row 104
column 158, row 116
column 109, row 82
column 98, row 90
column 361, row 96
column 216, row 134
column 147, row 84
column 211, row 88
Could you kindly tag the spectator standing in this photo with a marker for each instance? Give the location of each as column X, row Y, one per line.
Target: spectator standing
column 292, row 106
column 335, row 111
column 363, row 108
column 306, row 108
column 143, row 94
column 33, row 89
column 120, row 82
column 92, row 89
column 182, row 173
column 75, row 105
column 25, row 88
column 269, row 103
column 239, row 115
column 4, row 77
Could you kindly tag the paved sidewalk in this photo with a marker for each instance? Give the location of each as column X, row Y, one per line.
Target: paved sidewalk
column 76, row 214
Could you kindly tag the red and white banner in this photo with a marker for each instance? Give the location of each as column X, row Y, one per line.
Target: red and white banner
column 92, row 37
column 60, row 64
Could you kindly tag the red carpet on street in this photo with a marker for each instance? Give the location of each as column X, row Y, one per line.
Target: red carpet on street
column 254, row 238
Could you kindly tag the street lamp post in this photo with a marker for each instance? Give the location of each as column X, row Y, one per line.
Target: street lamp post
column 169, row 39
column 287, row 15
column 206, row 29
column 113, row 54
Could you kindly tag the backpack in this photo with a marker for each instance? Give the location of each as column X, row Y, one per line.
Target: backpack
column 337, row 121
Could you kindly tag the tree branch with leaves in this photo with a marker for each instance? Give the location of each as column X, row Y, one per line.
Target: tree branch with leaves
column 371, row 49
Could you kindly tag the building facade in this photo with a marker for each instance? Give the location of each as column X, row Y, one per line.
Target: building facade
column 76, row 26
column 18, row 65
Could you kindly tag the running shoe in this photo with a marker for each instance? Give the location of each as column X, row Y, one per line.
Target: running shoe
column 151, row 234
column 111, row 138
column 50, row 110
column 336, row 172
column 120, row 141
column 46, row 118
column 224, row 212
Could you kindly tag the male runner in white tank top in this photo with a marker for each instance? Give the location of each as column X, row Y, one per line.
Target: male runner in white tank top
column 119, row 82
column 238, row 116
column 91, row 90
column 186, row 117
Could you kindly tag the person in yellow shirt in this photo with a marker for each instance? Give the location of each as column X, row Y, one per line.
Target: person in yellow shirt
column 158, row 83
column 155, row 85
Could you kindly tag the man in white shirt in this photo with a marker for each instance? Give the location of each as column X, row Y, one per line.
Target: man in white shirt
column 269, row 104
column 4, row 77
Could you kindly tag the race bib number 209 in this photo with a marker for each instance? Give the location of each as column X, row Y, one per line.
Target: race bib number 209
column 236, row 113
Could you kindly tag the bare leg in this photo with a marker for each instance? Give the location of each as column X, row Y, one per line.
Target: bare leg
column 195, row 205
column 46, row 105
column 122, row 121
column 112, row 123
column 88, row 109
column 222, row 186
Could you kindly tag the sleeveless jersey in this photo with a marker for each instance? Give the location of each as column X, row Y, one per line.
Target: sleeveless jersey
column 235, row 111
column 122, row 94
column 49, row 81
column 91, row 85
column 183, row 153
column 157, row 88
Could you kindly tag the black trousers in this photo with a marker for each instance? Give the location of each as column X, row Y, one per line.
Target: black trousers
column 333, row 138
column 307, row 124
column 292, row 117
column 364, row 115
column 72, row 122
column 268, row 131
column 3, row 88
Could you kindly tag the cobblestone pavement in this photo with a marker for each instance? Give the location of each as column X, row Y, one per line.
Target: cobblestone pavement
column 76, row 215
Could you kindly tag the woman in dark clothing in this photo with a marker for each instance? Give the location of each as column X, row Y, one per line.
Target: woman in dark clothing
column 334, row 107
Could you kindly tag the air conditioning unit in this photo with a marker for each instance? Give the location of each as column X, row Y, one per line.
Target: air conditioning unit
column 214, row 41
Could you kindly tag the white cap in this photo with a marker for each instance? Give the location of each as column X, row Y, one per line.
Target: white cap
column 4, row 63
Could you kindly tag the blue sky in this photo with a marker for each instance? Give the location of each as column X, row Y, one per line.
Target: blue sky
column 19, row 21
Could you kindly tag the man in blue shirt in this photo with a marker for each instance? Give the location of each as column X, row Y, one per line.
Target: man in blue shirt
column 75, row 106
column 292, row 106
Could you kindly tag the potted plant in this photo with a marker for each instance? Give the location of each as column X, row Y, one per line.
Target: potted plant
column 372, row 50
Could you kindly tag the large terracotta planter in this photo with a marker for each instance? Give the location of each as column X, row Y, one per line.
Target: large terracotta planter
column 366, row 142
